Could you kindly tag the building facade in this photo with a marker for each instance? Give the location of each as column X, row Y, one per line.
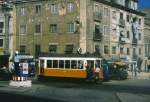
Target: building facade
column 5, row 28
column 113, row 28
column 147, row 32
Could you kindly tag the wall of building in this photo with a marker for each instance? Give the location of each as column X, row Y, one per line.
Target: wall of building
column 147, row 33
column 111, row 39
column 61, row 38
column 86, row 21
column 4, row 28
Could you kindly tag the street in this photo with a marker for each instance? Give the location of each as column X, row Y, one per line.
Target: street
column 61, row 91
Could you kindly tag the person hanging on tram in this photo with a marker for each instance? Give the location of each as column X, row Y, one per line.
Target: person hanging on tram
column 97, row 70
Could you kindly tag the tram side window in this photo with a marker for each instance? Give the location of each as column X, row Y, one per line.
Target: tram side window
column 55, row 63
column 61, row 63
column 49, row 63
column 74, row 64
column 67, row 64
column 90, row 63
column 80, row 64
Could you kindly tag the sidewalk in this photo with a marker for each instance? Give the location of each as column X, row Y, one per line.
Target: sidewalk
column 141, row 75
column 129, row 97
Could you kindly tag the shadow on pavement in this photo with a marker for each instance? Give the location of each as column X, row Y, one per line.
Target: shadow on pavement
column 99, row 87
column 10, row 97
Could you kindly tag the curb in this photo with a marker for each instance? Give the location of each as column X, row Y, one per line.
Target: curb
column 119, row 100
column 130, row 97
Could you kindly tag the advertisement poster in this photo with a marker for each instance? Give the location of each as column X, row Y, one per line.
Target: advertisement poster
column 25, row 68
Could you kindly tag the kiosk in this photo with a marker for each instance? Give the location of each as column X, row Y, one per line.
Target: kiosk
column 21, row 64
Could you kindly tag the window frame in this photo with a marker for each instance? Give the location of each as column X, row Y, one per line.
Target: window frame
column 22, row 11
column 140, row 51
column 69, row 46
column 54, row 8
column 2, row 27
column 128, row 51
column 53, row 51
column 53, row 28
column 2, row 46
column 106, row 12
column 38, row 9
column 70, row 7
column 24, row 28
column 71, row 27
column 22, row 48
column 38, row 31
column 114, row 51
column 106, row 51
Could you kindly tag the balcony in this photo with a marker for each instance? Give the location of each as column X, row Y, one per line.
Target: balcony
column 122, row 23
column 97, row 16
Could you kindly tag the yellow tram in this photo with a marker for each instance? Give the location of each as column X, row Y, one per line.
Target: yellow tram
column 67, row 66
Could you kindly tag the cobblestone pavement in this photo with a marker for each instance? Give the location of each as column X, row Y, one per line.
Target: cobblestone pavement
column 130, row 90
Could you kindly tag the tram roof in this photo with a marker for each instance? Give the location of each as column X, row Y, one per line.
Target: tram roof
column 70, row 55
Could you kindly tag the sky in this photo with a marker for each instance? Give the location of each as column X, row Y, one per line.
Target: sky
column 144, row 4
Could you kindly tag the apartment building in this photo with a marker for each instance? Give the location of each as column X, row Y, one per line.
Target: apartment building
column 113, row 28
column 147, row 32
column 5, row 28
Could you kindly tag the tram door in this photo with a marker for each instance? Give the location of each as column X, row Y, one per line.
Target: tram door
column 90, row 64
column 41, row 67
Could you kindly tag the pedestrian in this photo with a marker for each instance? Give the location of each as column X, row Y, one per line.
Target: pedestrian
column 148, row 64
column 135, row 71
column 97, row 70
column 16, row 64
column 139, row 64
